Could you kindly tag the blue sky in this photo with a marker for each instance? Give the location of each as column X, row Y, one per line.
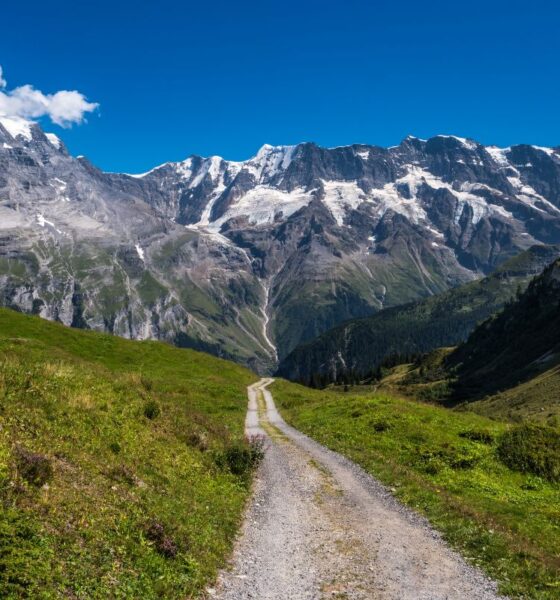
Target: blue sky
column 178, row 78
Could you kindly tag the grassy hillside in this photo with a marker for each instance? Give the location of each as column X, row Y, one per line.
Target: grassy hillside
column 356, row 349
column 537, row 399
column 429, row 379
column 123, row 469
column 451, row 466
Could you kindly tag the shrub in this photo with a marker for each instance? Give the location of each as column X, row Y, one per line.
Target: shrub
column 123, row 474
column 241, row 458
column 115, row 447
column 35, row 468
column 380, row 426
column 432, row 460
column 532, row 448
column 163, row 543
column 198, row 439
column 151, row 410
column 478, row 435
column 257, row 446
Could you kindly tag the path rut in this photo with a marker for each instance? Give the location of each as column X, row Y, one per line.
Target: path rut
column 319, row 526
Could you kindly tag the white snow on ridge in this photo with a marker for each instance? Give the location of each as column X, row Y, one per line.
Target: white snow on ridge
column 17, row 127
column 263, row 204
column 184, row 168
column 499, row 155
column 269, row 161
column 343, row 196
column 140, row 251
column 54, row 140
column 467, row 143
column 548, row 151
column 340, row 196
column 210, row 166
column 529, row 195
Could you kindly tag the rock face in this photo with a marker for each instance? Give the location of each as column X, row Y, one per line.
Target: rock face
column 249, row 259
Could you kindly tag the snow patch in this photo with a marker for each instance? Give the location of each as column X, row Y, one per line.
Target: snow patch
column 464, row 141
column 498, row 155
column 42, row 222
column 54, row 140
column 467, row 143
column 342, row 196
column 548, row 151
column 529, row 195
column 17, row 127
column 140, row 252
column 363, row 154
column 269, row 161
column 262, row 205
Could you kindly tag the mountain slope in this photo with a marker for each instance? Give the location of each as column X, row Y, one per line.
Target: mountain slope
column 116, row 470
column 358, row 347
column 249, row 259
column 516, row 345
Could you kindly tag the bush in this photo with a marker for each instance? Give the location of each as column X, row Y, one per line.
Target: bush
column 163, row 543
column 123, row 474
column 532, row 448
column 35, row 468
column 242, row 458
column 199, row 440
column 115, row 447
column 433, row 460
column 380, row 426
column 478, row 435
column 151, row 410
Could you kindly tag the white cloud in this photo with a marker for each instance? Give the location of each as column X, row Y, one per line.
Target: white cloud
column 63, row 108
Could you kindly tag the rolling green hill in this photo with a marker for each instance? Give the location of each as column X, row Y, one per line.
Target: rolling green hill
column 355, row 349
column 123, row 466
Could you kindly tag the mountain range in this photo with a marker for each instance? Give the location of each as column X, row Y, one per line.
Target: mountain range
column 250, row 259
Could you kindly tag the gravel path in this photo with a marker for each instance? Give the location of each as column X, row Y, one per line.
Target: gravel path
column 320, row 527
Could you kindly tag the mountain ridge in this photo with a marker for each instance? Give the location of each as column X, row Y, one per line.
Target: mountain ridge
column 249, row 259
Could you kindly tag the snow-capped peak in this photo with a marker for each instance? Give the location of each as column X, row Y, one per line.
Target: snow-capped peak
column 263, row 150
column 270, row 160
column 17, row 127
column 549, row 151
column 463, row 141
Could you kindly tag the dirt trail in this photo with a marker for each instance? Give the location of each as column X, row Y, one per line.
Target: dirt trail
column 320, row 527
